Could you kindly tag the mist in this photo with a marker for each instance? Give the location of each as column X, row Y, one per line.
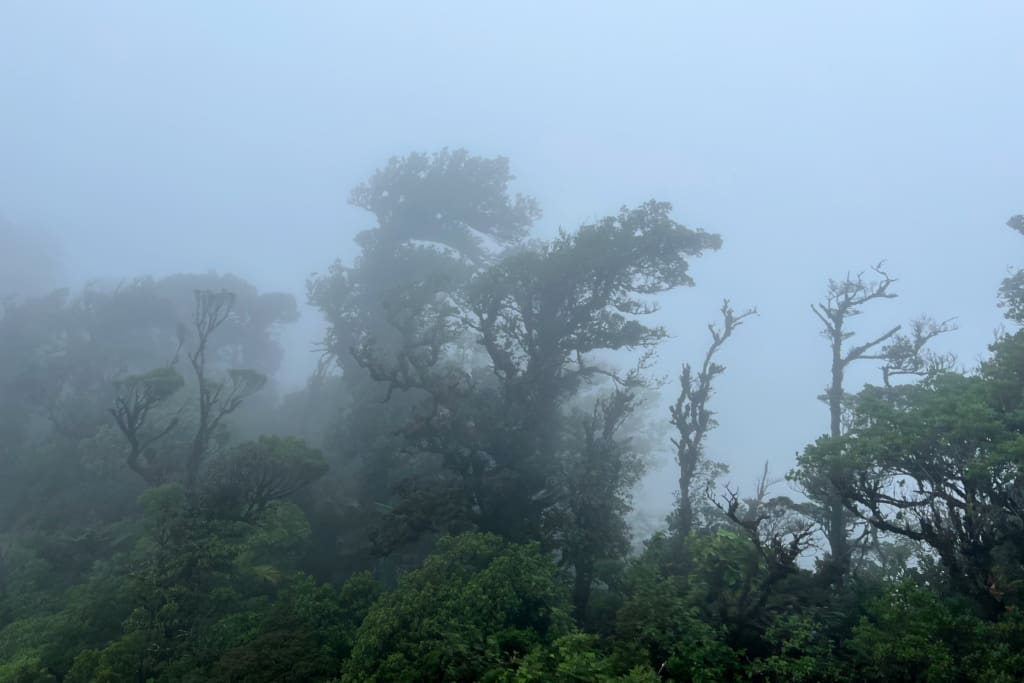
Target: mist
column 222, row 142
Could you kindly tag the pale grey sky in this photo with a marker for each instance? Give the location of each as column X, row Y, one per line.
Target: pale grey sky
column 159, row 137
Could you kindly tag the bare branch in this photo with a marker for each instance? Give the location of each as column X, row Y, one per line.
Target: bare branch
column 690, row 414
column 857, row 352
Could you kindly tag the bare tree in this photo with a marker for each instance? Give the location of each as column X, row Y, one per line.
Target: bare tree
column 691, row 416
column 843, row 301
column 777, row 532
column 778, row 537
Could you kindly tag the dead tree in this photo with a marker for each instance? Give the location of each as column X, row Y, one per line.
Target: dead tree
column 777, row 535
column 691, row 416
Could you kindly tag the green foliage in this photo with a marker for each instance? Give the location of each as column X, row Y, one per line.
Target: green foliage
column 475, row 606
column 1011, row 292
column 938, row 462
column 661, row 624
column 911, row 633
column 572, row 658
column 800, row 651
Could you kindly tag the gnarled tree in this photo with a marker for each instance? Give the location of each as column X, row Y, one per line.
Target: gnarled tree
column 844, row 300
column 541, row 313
column 692, row 417
column 898, row 354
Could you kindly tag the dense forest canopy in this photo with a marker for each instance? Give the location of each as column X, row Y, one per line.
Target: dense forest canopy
column 449, row 496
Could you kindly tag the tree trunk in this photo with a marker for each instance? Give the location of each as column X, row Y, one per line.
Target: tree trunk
column 837, row 540
column 581, row 589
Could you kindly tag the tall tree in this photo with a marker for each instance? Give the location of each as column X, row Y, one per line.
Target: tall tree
column 898, row 355
column 692, row 417
column 597, row 470
column 939, row 462
column 843, row 301
column 542, row 313
column 438, row 218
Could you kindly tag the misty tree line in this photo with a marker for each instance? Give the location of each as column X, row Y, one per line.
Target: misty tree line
column 448, row 498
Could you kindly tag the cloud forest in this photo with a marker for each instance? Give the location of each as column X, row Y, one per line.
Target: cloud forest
column 451, row 494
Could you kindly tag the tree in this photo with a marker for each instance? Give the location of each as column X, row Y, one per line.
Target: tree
column 843, row 301
column 217, row 399
column 435, row 214
column 63, row 352
column 542, row 313
column 693, row 419
column 392, row 334
column 938, row 463
column 597, row 471
column 907, row 355
column 450, row 197
column 137, row 396
column 1011, row 292
column 898, row 355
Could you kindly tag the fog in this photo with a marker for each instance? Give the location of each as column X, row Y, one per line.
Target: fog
column 158, row 138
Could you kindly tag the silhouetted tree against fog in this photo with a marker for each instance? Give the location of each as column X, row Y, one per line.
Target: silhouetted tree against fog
column 897, row 355
column 938, row 463
column 843, row 301
column 391, row 330
column 435, row 215
column 596, row 470
column 217, row 399
column 693, row 419
column 541, row 313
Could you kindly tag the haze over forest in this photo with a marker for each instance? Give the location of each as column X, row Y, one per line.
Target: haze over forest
column 154, row 140
column 151, row 140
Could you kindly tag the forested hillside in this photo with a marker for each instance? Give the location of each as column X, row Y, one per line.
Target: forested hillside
column 449, row 496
